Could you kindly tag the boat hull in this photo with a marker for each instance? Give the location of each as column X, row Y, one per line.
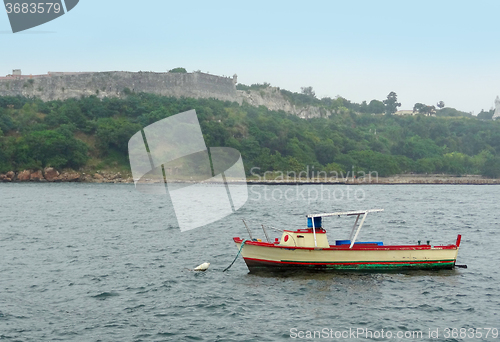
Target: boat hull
column 266, row 256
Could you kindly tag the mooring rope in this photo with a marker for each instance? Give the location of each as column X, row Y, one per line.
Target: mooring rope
column 242, row 245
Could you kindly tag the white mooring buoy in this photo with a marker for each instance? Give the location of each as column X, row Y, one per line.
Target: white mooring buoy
column 203, row 267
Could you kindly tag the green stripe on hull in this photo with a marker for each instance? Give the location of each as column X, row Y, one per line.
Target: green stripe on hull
column 432, row 265
column 425, row 266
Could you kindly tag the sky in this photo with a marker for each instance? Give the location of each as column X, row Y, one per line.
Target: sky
column 425, row 51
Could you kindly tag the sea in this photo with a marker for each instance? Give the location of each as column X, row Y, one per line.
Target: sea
column 105, row 262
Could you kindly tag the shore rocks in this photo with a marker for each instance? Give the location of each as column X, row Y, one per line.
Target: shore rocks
column 24, row 176
column 70, row 177
column 4, row 178
column 51, row 174
column 98, row 177
column 37, row 176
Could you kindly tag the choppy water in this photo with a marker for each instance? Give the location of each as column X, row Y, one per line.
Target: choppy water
column 98, row 262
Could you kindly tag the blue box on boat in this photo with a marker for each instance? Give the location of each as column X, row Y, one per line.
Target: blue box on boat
column 348, row 242
column 317, row 222
column 342, row 242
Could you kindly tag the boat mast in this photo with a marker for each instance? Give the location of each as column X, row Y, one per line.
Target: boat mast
column 359, row 228
column 354, row 227
column 314, row 233
column 248, row 230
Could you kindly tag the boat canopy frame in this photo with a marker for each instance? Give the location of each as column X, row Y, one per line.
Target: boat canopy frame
column 358, row 213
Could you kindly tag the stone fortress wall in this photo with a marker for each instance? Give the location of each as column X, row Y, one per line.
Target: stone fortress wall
column 62, row 86
column 65, row 85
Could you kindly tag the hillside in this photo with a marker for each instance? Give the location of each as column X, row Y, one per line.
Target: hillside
column 90, row 134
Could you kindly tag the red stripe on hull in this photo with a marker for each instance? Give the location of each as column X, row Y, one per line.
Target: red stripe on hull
column 366, row 247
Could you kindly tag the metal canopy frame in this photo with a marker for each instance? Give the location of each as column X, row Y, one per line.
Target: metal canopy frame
column 358, row 213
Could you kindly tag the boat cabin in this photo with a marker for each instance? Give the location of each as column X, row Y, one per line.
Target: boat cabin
column 314, row 235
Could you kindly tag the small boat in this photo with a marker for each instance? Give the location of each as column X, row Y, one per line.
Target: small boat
column 309, row 249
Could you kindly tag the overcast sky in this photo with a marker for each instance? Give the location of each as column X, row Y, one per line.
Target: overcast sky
column 425, row 51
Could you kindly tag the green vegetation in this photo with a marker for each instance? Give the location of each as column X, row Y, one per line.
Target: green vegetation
column 486, row 115
column 391, row 103
column 256, row 86
column 93, row 133
column 178, row 70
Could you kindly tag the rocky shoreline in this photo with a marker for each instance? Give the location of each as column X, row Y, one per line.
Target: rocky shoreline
column 50, row 174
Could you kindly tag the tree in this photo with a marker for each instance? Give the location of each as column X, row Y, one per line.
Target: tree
column 375, row 162
column 482, row 115
column 428, row 110
column 391, row 104
column 326, row 151
column 308, row 91
column 424, row 109
column 376, row 107
column 115, row 133
column 440, row 104
column 56, row 148
column 363, row 108
column 417, row 107
column 452, row 112
column 178, row 70
column 418, row 148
